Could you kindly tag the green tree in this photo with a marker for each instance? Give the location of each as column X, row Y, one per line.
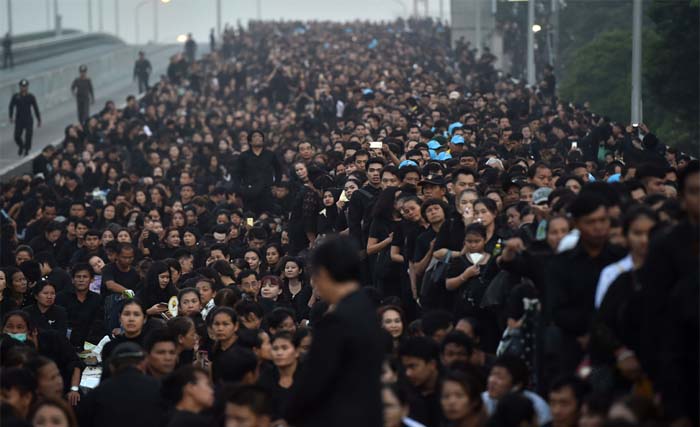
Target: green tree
column 671, row 65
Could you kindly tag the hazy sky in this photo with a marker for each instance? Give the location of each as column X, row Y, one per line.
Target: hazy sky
column 196, row 16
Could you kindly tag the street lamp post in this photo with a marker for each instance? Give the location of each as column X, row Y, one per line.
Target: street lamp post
column 116, row 17
column 89, row 13
column 155, row 21
column 218, row 18
column 531, row 78
column 636, row 107
column 136, row 19
column 477, row 27
column 100, row 25
column 9, row 16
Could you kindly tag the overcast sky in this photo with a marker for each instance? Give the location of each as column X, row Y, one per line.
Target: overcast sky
column 196, row 16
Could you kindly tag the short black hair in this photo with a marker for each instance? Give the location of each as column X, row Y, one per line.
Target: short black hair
column 586, row 203
column 421, row 347
column 21, row 379
column 246, row 307
column 173, row 385
column 516, row 368
column 245, row 273
column 339, row 256
column 253, row 397
column 459, row 338
column 238, row 362
column 275, row 318
column 82, row 266
column 157, row 336
column 435, row 320
column 577, row 385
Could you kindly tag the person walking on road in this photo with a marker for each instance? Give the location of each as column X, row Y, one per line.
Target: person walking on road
column 7, row 51
column 82, row 90
column 24, row 122
column 142, row 70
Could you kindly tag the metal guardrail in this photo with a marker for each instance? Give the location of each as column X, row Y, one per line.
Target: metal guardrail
column 34, row 50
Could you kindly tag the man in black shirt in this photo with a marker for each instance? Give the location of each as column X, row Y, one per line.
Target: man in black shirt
column 85, row 312
column 117, row 278
column 573, row 276
column 24, row 102
column 341, row 379
column 82, row 90
column 142, row 70
column 7, row 51
column 190, row 392
column 258, row 168
column 127, row 398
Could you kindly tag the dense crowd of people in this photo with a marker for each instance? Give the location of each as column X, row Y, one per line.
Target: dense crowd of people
column 520, row 260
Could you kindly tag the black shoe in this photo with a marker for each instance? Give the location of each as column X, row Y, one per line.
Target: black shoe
column 19, row 152
column 26, row 151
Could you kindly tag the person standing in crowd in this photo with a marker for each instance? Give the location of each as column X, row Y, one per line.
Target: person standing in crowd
column 476, row 196
column 129, row 397
column 24, row 102
column 81, row 88
column 190, row 48
column 7, row 56
column 341, row 379
column 257, row 170
column 142, row 71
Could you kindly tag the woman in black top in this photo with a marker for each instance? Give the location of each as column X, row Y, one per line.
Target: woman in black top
column 295, row 288
column 223, row 323
column 18, row 325
column 17, row 288
column 469, row 275
column 384, row 272
column 132, row 318
column 185, row 333
column 158, row 289
column 45, row 314
column 328, row 215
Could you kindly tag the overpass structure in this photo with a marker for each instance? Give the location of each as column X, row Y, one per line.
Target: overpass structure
column 110, row 66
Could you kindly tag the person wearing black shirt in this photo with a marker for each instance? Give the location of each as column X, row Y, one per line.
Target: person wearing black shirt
column 257, row 169
column 24, row 102
column 127, row 398
column 117, row 278
column 420, row 357
column 190, row 392
column 573, row 276
column 46, row 315
column 84, row 308
column 341, row 379
column 84, row 94
column 142, row 70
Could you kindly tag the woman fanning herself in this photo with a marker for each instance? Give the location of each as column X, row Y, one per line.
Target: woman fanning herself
column 158, row 290
column 470, row 274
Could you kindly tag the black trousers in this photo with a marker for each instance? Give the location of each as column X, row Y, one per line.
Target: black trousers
column 28, row 130
column 8, row 57
column 143, row 83
column 83, row 109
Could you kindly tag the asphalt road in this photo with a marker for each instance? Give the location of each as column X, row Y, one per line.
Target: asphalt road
column 56, row 118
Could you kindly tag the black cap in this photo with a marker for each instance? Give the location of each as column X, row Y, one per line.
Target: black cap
column 23, row 83
column 434, row 180
column 127, row 350
column 83, row 68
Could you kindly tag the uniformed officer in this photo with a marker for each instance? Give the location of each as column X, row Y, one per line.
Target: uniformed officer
column 24, row 122
column 82, row 90
column 142, row 69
